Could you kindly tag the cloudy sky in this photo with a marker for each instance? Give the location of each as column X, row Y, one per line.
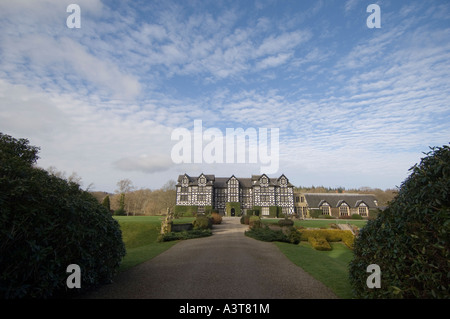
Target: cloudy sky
column 355, row 106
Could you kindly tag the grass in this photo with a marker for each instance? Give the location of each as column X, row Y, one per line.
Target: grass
column 329, row 267
column 140, row 233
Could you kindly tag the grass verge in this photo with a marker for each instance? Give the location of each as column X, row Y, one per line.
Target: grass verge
column 329, row 267
column 140, row 235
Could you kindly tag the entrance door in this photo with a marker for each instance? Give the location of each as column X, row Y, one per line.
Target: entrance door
column 233, row 212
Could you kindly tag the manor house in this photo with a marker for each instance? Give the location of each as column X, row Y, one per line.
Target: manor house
column 233, row 196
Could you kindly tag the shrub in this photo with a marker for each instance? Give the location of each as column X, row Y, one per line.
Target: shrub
column 285, row 222
column 319, row 243
column 326, row 217
column 184, row 235
column 266, row 234
column 202, row 222
column 409, row 241
column 356, row 216
column 46, row 224
column 254, row 222
column 331, row 235
column 120, row 212
column 294, row 236
column 216, row 218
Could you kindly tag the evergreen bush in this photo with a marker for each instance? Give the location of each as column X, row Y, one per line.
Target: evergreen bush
column 409, row 241
column 46, row 224
column 254, row 222
column 286, row 222
column 202, row 222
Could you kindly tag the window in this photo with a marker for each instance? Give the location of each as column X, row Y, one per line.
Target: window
column 184, row 189
column 362, row 210
column 297, row 199
column 284, row 199
column 325, row 210
column 201, row 198
column 343, row 210
column 265, row 211
column 184, row 198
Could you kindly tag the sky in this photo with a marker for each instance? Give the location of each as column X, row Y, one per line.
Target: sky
column 355, row 106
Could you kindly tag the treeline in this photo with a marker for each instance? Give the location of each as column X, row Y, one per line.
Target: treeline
column 383, row 196
column 127, row 200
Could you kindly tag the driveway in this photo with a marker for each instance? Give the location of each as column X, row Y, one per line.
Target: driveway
column 227, row 265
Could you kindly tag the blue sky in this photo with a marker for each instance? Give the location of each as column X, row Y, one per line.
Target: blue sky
column 355, row 106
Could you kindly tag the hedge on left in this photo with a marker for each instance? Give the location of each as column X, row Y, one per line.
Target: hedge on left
column 46, row 224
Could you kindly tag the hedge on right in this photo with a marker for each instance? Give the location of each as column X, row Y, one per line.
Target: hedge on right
column 409, row 241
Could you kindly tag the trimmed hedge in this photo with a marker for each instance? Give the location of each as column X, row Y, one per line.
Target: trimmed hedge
column 319, row 243
column 184, row 235
column 409, row 241
column 46, row 224
column 331, row 235
column 285, row 222
column 267, row 234
column 202, row 222
column 185, row 211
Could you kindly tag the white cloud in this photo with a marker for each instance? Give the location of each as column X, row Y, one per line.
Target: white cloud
column 145, row 163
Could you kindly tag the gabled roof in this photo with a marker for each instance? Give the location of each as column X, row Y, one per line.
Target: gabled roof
column 315, row 200
column 221, row 182
column 194, row 180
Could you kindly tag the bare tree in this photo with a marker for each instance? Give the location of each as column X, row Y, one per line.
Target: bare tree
column 124, row 186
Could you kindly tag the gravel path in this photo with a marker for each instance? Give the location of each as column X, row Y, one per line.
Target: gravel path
column 227, row 265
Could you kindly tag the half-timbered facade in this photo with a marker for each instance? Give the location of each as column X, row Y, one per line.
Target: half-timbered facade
column 234, row 196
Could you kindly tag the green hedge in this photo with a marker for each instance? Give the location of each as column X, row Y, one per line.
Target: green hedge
column 185, row 211
column 184, row 235
column 202, row 222
column 267, row 234
column 409, row 241
column 236, row 206
column 46, row 224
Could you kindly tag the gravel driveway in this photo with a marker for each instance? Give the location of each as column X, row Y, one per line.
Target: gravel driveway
column 227, row 265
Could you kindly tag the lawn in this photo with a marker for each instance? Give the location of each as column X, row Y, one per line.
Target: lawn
column 140, row 233
column 329, row 267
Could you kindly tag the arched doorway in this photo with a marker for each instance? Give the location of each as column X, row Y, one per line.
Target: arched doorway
column 233, row 212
